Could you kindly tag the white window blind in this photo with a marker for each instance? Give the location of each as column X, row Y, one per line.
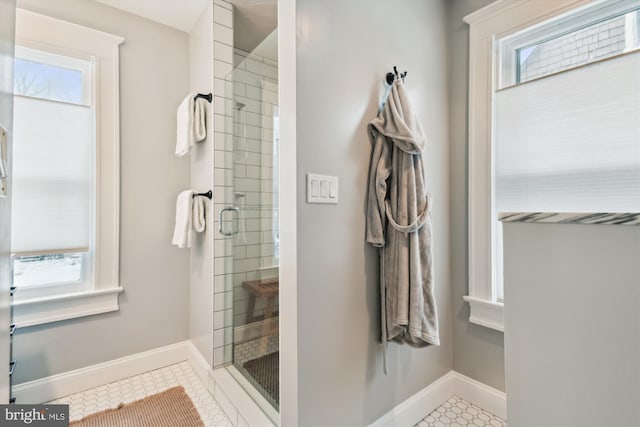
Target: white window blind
column 53, row 176
column 570, row 142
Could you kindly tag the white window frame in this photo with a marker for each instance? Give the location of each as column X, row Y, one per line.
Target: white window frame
column 53, row 35
column 497, row 20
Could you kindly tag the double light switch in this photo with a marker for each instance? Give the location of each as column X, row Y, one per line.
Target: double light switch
column 322, row 189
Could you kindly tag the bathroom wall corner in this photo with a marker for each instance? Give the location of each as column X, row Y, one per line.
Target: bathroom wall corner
column 201, row 158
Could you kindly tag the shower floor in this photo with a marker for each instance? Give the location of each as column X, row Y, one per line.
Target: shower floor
column 258, row 363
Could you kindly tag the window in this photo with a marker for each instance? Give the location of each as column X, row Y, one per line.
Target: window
column 54, row 177
column 65, row 160
column 562, row 133
column 583, row 36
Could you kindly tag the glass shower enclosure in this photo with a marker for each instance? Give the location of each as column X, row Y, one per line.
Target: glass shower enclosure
column 252, row 221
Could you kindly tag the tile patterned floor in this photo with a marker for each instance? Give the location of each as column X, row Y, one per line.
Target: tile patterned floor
column 456, row 412
column 140, row 386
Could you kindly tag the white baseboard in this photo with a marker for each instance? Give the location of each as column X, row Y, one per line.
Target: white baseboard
column 480, row 394
column 415, row 408
column 60, row 385
column 199, row 364
column 412, row 410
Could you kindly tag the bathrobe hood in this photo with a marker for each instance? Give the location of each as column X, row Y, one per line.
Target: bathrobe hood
column 397, row 121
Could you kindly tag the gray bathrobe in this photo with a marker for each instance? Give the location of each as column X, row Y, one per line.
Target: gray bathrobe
column 399, row 223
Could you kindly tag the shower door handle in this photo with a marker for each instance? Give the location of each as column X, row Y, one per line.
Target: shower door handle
column 220, row 215
column 4, row 161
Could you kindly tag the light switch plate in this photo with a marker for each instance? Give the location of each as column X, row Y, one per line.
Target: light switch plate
column 322, row 189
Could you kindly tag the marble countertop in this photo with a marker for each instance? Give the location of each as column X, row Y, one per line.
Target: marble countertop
column 629, row 218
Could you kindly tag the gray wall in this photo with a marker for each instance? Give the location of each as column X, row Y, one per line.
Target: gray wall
column 344, row 50
column 7, row 36
column 572, row 328
column 201, row 157
column 477, row 351
column 154, row 77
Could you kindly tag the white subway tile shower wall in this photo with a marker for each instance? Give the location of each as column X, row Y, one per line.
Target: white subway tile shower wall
column 242, row 177
column 223, row 157
column 254, row 247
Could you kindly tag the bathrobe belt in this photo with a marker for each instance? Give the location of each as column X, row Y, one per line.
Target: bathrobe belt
column 411, row 228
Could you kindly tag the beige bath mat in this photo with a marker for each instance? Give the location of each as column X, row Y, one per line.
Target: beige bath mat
column 171, row 408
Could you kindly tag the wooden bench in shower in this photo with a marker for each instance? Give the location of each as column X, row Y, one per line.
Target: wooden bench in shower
column 268, row 289
column 265, row 288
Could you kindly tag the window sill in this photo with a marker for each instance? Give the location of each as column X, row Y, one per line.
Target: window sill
column 593, row 218
column 486, row 313
column 38, row 311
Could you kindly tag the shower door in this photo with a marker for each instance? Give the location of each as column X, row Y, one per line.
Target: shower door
column 252, row 219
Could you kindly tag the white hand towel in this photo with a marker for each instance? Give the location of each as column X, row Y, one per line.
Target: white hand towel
column 191, row 123
column 198, row 218
column 182, row 230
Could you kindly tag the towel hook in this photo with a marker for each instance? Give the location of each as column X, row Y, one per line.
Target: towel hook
column 208, row 96
column 390, row 78
column 395, row 75
column 208, row 195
